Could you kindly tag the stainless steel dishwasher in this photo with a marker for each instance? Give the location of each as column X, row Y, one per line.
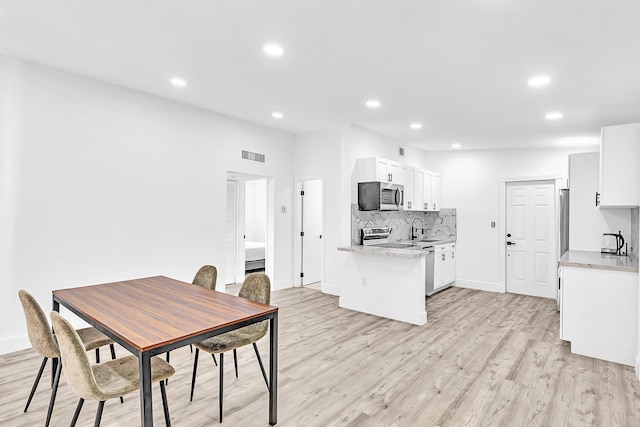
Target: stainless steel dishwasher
column 428, row 277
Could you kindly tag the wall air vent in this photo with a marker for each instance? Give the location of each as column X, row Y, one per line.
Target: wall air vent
column 254, row 157
column 400, row 151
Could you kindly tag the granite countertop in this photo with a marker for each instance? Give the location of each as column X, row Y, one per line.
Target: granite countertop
column 409, row 251
column 591, row 259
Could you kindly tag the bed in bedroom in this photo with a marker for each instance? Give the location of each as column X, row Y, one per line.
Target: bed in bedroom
column 254, row 255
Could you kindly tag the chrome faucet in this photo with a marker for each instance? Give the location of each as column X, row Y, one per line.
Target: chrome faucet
column 413, row 228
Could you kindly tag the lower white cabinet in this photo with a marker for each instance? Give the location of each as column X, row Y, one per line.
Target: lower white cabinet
column 599, row 313
column 444, row 265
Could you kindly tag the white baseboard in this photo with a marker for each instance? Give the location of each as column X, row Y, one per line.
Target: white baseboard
column 330, row 289
column 282, row 284
column 9, row 345
column 415, row 318
column 638, row 366
column 480, row 286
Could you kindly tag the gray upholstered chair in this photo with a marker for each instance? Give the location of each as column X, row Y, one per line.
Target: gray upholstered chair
column 256, row 287
column 206, row 277
column 107, row 380
column 44, row 342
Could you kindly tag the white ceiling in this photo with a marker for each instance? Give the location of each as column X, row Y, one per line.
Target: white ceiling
column 459, row 67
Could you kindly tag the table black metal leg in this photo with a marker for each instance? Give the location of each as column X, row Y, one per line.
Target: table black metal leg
column 146, row 407
column 54, row 361
column 273, row 370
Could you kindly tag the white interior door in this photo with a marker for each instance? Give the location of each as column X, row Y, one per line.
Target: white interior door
column 530, row 239
column 230, row 234
column 312, row 242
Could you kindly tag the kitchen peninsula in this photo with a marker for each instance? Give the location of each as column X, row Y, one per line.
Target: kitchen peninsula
column 390, row 281
column 387, row 282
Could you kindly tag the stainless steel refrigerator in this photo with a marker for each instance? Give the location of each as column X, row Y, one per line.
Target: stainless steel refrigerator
column 564, row 233
column 564, row 221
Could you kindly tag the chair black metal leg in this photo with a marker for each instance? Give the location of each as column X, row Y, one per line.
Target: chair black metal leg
column 99, row 414
column 113, row 357
column 235, row 361
column 76, row 414
column 168, row 353
column 193, row 376
column 36, row 382
column 221, row 383
column 191, row 347
column 54, row 391
column 163, row 392
column 97, row 355
column 214, row 359
column 264, row 374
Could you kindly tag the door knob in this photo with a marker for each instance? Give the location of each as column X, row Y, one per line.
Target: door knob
column 509, row 235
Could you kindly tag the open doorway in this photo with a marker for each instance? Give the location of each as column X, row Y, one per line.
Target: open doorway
column 310, row 224
column 248, row 237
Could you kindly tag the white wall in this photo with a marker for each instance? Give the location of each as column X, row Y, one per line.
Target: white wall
column 256, row 210
column 318, row 156
column 100, row 183
column 587, row 222
column 469, row 183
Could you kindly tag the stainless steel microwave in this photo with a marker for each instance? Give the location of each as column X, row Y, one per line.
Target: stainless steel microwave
column 383, row 196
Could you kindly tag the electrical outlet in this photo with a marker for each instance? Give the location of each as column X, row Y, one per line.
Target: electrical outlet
column 364, row 281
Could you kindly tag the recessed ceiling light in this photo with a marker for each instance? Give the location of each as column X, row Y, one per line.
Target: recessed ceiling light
column 539, row 81
column 415, row 126
column 456, row 145
column 373, row 103
column 178, row 81
column 554, row 115
column 274, row 50
column 277, row 115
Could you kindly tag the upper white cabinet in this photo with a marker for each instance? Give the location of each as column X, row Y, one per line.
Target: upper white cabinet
column 421, row 187
column 432, row 191
column 377, row 169
column 619, row 176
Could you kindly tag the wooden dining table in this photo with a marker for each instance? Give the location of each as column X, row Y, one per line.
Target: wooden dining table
column 153, row 315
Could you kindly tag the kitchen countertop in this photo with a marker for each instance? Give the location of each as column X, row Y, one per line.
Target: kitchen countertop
column 592, row 259
column 406, row 252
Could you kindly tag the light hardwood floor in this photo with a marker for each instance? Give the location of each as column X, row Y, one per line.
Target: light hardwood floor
column 483, row 359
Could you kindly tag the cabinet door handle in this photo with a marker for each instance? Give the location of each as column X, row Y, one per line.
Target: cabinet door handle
column 444, row 256
column 453, row 255
column 434, row 206
column 409, row 205
column 597, row 198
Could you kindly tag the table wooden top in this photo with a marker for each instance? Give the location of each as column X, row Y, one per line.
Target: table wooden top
column 155, row 311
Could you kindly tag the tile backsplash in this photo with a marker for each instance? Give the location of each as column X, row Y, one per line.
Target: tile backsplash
column 440, row 224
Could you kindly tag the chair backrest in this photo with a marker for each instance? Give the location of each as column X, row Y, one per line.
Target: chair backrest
column 78, row 372
column 38, row 327
column 206, row 277
column 257, row 287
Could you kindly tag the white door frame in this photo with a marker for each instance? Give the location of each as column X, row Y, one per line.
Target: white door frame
column 297, row 244
column 502, row 209
column 269, row 267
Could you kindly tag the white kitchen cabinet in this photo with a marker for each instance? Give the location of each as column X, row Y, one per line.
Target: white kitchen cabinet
column 383, row 170
column 444, row 265
column 431, row 191
column 619, row 176
column 599, row 313
column 409, row 190
column 414, row 190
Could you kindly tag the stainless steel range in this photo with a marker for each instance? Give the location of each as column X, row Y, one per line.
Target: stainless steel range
column 375, row 235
